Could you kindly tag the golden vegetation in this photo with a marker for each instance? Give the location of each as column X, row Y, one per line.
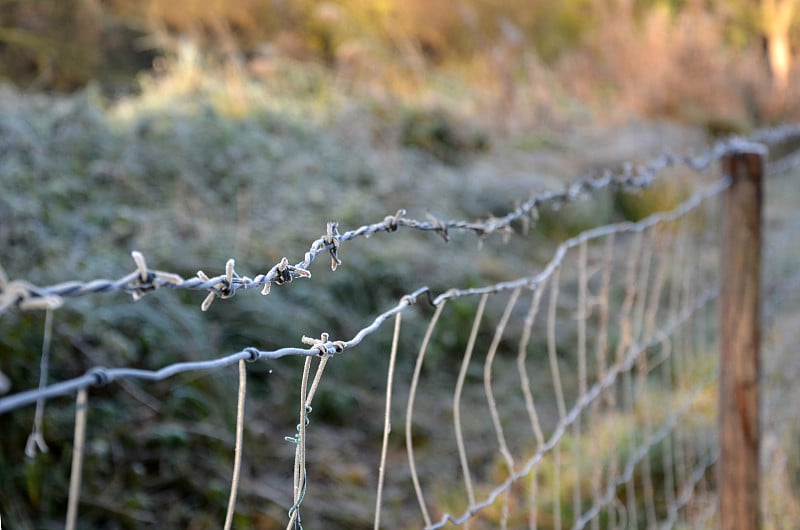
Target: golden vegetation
column 703, row 62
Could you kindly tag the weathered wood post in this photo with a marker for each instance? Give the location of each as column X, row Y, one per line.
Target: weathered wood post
column 740, row 330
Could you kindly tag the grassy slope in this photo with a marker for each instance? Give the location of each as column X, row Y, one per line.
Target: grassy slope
column 191, row 181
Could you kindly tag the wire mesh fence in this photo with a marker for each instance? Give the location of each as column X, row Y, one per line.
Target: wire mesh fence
column 582, row 395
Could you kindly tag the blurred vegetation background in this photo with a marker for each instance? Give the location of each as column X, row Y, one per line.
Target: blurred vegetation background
column 198, row 131
column 690, row 59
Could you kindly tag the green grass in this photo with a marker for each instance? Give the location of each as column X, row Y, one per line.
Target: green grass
column 192, row 171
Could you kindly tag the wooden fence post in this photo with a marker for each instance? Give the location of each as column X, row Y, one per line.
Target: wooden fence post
column 740, row 330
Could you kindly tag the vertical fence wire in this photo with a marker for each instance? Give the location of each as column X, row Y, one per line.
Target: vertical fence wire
column 387, row 422
column 601, row 358
column 412, row 394
column 581, row 315
column 487, row 385
column 36, row 439
column 76, row 472
column 530, row 408
column 555, row 374
column 237, row 451
column 457, row 425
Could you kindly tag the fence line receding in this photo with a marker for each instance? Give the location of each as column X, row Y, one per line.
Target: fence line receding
column 582, row 395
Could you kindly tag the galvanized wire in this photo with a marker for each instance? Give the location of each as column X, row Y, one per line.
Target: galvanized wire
column 100, row 376
column 24, row 295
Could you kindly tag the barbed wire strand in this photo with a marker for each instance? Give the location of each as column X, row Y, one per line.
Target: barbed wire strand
column 237, row 448
column 783, row 165
column 143, row 280
column 326, row 345
column 387, row 423
column 776, row 134
column 76, row 471
column 99, row 376
column 25, row 296
column 595, row 233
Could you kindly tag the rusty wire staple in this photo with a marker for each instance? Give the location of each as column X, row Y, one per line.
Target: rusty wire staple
column 23, row 295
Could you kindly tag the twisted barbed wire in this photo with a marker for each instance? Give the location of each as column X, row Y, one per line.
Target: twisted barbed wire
column 325, row 347
column 27, row 296
column 99, row 376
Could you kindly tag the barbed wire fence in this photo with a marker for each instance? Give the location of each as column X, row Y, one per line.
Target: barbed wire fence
column 593, row 404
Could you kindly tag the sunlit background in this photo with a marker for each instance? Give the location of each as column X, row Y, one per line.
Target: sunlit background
column 196, row 131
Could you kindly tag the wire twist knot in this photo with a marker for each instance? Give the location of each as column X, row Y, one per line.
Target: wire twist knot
column 332, row 240
column 393, row 219
column 144, row 281
column 100, row 375
column 21, row 294
column 324, row 345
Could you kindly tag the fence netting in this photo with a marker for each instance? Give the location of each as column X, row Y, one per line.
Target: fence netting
column 584, row 395
column 580, row 395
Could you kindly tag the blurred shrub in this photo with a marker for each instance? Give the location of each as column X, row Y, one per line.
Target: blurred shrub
column 442, row 136
column 575, row 217
column 64, row 45
column 674, row 63
column 663, row 195
column 701, row 63
column 84, row 186
column 86, row 181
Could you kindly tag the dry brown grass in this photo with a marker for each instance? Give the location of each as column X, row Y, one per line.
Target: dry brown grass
column 676, row 66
